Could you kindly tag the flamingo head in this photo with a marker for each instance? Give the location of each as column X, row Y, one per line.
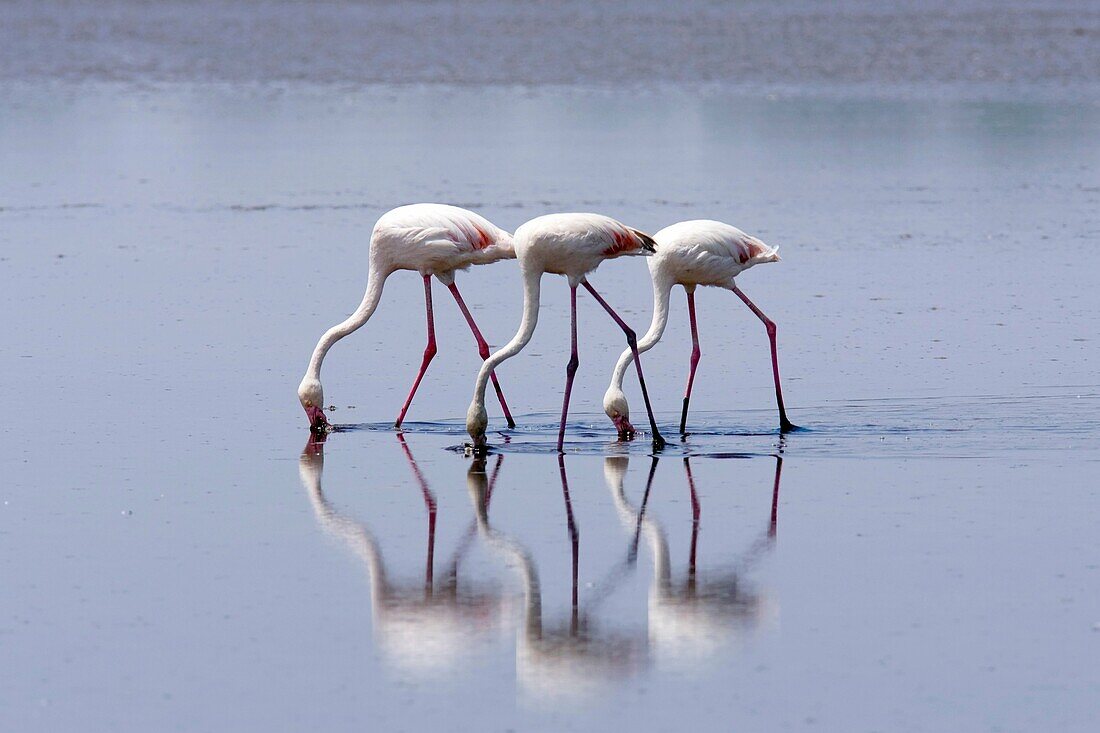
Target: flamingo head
column 312, row 397
column 617, row 408
column 476, row 423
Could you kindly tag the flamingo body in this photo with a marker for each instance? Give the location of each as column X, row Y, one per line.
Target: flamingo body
column 433, row 240
column 705, row 252
column 564, row 244
column 693, row 253
column 575, row 244
column 436, row 239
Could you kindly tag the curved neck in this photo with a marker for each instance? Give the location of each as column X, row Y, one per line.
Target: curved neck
column 521, row 561
column 633, row 519
column 357, row 536
column 614, row 474
column 658, row 545
column 375, row 281
column 532, row 282
column 662, row 288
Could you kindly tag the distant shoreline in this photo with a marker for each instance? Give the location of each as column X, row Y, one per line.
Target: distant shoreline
column 1075, row 97
column 1047, row 50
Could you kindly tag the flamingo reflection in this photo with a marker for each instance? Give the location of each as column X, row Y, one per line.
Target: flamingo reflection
column 423, row 627
column 570, row 659
column 694, row 618
column 432, row 624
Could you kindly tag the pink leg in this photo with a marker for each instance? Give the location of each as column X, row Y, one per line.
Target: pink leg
column 483, row 349
column 570, row 368
column 694, row 522
column 429, row 503
column 784, row 423
column 429, row 350
column 632, row 341
column 574, row 539
column 775, row 495
column 641, row 509
column 695, row 354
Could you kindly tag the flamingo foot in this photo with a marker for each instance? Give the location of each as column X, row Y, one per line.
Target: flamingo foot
column 626, row 430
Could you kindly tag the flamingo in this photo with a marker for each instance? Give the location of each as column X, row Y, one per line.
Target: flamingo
column 691, row 253
column 572, row 245
column 576, row 658
column 693, row 619
column 432, row 239
column 424, row 626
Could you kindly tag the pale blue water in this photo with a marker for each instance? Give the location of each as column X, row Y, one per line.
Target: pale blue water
column 171, row 562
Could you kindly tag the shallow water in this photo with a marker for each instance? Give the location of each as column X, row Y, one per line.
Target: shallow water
column 176, row 559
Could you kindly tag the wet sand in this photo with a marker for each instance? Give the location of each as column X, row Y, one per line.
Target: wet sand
column 177, row 558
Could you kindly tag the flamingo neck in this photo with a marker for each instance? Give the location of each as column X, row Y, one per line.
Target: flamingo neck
column 633, row 519
column 357, row 536
column 532, row 283
column 658, row 545
column 375, row 281
column 614, row 474
column 520, row 560
column 662, row 288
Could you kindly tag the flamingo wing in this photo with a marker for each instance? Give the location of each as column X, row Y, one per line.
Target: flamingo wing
column 615, row 238
column 447, row 232
column 705, row 239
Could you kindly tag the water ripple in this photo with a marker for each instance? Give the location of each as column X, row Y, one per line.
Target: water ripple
column 939, row 426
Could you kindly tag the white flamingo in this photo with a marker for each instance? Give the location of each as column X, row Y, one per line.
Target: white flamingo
column 572, row 660
column 691, row 253
column 572, row 245
column 424, row 627
column 432, row 239
column 694, row 618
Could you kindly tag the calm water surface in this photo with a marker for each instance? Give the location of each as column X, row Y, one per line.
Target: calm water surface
column 177, row 556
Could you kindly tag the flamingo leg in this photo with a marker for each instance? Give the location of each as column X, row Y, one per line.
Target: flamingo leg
column 570, row 368
column 695, row 354
column 632, row 341
column 775, row 496
column 430, row 505
column 574, row 540
column 784, row 423
column 429, row 350
column 642, row 508
column 483, row 349
column 694, row 523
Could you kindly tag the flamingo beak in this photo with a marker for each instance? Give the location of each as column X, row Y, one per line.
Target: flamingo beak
column 318, row 423
column 626, row 430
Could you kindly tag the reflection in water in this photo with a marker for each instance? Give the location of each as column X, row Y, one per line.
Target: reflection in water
column 695, row 618
column 570, row 659
column 422, row 627
column 430, row 626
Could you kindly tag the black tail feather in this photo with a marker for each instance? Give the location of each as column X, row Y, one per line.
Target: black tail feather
column 648, row 243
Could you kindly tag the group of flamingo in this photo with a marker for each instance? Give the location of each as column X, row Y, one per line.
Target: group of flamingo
column 437, row 240
column 434, row 620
